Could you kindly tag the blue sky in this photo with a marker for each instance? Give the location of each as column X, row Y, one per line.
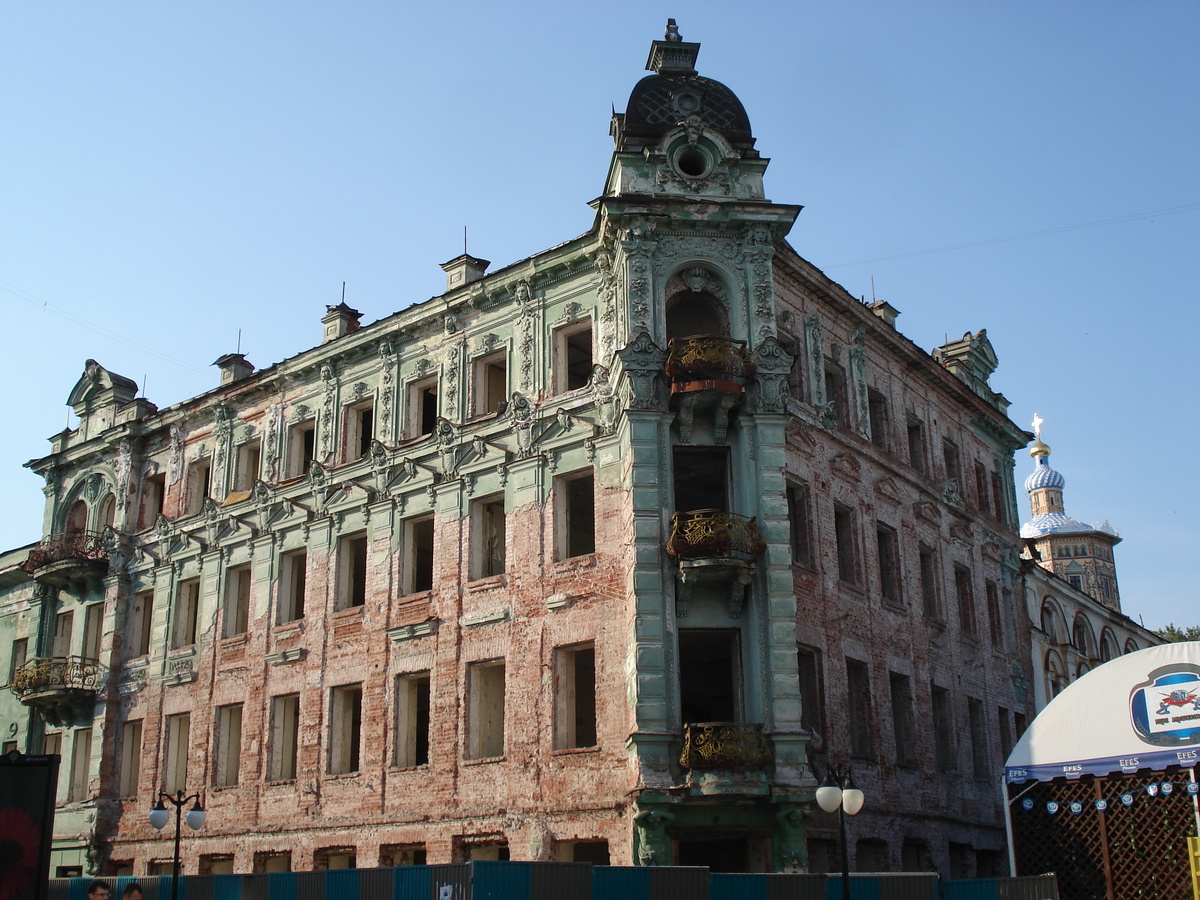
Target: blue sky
column 172, row 173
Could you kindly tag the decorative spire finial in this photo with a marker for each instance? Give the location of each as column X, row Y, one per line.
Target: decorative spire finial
column 1038, row 422
column 672, row 33
column 1040, row 449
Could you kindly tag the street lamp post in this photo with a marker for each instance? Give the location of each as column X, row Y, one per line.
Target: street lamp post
column 838, row 792
column 158, row 819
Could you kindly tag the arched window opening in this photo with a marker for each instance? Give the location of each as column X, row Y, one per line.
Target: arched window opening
column 1109, row 648
column 108, row 511
column 1056, row 678
column 77, row 518
column 1131, row 646
column 695, row 313
column 1083, row 638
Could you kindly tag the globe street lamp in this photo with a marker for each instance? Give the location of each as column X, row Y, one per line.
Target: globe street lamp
column 838, row 792
column 158, row 819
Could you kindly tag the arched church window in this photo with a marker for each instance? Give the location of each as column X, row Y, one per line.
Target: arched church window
column 108, row 511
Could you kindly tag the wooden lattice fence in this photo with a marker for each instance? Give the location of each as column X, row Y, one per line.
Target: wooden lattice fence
column 1137, row 852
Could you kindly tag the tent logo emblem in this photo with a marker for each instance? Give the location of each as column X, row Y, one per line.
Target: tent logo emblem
column 1165, row 709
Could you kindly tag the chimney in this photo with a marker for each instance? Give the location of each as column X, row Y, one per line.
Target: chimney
column 339, row 320
column 234, row 367
column 463, row 270
column 885, row 311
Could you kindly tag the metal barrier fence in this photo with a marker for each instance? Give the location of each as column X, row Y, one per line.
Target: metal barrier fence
column 562, row 881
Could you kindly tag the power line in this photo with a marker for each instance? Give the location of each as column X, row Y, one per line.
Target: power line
column 59, row 311
column 1133, row 217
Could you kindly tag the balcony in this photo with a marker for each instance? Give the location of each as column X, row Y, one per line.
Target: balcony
column 724, row 745
column 714, row 536
column 62, row 558
column 61, row 688
column 708, row 373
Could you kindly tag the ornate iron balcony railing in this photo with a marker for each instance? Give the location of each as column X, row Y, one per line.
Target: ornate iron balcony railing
column 724, row 745
column 56, row 674
column 714, row 534
column 708, row 362
column 86, row 546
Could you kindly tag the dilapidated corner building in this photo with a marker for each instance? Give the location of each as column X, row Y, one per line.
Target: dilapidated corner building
column 586, row 558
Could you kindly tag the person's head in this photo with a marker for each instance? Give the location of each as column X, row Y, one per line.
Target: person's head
column 99, row 890
column 133, row 891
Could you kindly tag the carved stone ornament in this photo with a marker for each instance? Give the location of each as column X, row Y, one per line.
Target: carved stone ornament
column 927, row 510
column 887, row 489
column 642, row 361
column 773, row 364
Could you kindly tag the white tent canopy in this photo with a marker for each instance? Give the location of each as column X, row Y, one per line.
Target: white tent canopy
column 1139, row 711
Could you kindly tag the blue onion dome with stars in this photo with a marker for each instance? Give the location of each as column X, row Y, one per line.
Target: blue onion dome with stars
column 1042, row 475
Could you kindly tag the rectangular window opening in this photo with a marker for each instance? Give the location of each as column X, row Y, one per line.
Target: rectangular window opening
column 982, row 494
column 846, row 536
column 710, row 675
column 929, row 583
column 237, row 601
column 799, row 502
column 229, row 744
column 491, row 383
column 64, row 625
column 888, row 546
column 175, row 769
column 187, row 614
column 877, row 411
column 360, row 430
column 995, row 620
column 352, row 571
column 966, row 599
column 485, row 722
column 292, row 587
column 575, row 699
column 916, row 444
column 412, row 719
column 903, row 723
column 576, row 495
column 835, row 393
column 422, row 407
column 979, row 748
column 20, row 653
column 301, row 448
column 418, row 564
column 248, row 465
column 812, row 691
column 198, row 485
column 130, row 759
column 943, row 731
column 81, row 762
column 141, row 620
column 154, row 492
column 858, row 703
column 701, row 478
column 93, row 627
column 951, row 464
column 345, row 729
column 573, row 356
column 489, row 535
column 285, row 720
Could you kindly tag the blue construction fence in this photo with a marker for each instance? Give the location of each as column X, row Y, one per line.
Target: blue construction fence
column 561, row 881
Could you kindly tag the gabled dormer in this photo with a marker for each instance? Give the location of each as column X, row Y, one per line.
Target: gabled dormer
column 97, row 396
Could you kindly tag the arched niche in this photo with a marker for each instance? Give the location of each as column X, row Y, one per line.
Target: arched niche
column 692, row 314
column 108, row 512
column 76, row 521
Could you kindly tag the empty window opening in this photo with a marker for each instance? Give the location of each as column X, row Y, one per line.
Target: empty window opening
column 951, row 464
column 888, row 547
column 175, row 769
column 701, row 478
column 130, row 759
column 835, row 393
column 20, row 652
column 943, row 731
column 360, row 431
column 187, row 613
column 81, row 763
column 302, row 448
column 229, row 744
column 846, row 535
column 237, row 601
column 335, row 858
column 93, row 627
column 995, row 619
column 352, row 571
column 575, row 699
column 812, row 691
column 903, row 722
column 419, row 558
column 799, row 502
column 966, row 599
column 930, row 595
column 491, row 383
column 108, row 511
column 594, row 852
column 216, row 864
column 402, row 855
column 141, row 621
column 77, row 518
column 859, row 707
column 488, row 526
column 1006, row 741
column 199, row 483
column 422, row 407
column 486, row 851
column 877, row 412
column 576, row 496
column 249, row 462
column 154, row 492
column 52, row 744
column 916, row 444
column 345, row 729
column 979, row 748
column 695, row 314
column 273, row 861
column 998, row 503
column 292, row 586
column 573, row 356
column 981, row 488
column 412, row 719
column 64, row 624
column 285, row 720
column 485, row 718
column 710, row 675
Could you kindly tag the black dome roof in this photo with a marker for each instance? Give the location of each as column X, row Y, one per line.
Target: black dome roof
column 661, row 102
